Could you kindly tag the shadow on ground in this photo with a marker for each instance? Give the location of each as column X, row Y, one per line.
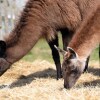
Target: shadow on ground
column 90, row 83
column 50, row 73
column 23, row 80
column 94, row 71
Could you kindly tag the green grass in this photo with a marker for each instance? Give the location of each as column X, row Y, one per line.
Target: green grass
column 42, row 51
column 95, row 55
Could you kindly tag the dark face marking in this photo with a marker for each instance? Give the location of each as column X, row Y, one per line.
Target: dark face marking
column 4, row 66
column 72, row 67
column 2, row 48
column 71, row 72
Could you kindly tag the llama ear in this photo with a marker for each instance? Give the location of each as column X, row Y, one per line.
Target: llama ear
column 73, row 54
column 2, row 48
column 63, row 52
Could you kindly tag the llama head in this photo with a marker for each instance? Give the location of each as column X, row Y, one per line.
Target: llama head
column 4, row 65
column 72, row 67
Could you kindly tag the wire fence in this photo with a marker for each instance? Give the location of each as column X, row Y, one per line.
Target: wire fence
column 8, row 12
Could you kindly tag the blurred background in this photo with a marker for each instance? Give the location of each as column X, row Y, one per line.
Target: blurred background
column 9, row 12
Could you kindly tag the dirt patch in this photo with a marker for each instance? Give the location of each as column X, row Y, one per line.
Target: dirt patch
column 37, row 81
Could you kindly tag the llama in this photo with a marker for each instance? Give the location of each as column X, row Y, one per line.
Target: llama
column 43, row 19
column 87, row 37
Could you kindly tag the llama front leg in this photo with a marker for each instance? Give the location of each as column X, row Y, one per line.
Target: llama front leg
column 86, row 64
column 56, row 56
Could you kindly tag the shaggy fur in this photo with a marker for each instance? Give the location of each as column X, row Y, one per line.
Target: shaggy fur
column 87, row 37
column 43, row 18
column 50, row 16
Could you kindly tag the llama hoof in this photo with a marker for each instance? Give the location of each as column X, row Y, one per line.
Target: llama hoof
column 59, row 76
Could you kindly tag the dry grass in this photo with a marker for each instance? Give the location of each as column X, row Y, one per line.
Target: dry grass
column 36, row 81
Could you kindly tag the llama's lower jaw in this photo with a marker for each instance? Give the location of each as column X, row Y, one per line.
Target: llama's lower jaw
column 4, row 66
column 67, row 87
column 2, row 72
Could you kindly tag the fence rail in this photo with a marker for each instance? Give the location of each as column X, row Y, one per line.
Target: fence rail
column 8, row 12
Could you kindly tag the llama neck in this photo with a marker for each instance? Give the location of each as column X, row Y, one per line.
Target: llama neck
column 24, row 44
column 23, row 37
column 25, row 34
column 87, row 37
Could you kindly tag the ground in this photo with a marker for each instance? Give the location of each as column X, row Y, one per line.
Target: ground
column 31, row 79
column 37, row 81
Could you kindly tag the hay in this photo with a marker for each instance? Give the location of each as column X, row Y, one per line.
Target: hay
column 37, row 81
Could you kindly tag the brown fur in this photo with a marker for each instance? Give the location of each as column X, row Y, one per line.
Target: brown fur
column 87, row 37
column 43, row 18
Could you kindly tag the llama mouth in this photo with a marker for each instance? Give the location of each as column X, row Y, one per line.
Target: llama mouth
column 2, row 72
